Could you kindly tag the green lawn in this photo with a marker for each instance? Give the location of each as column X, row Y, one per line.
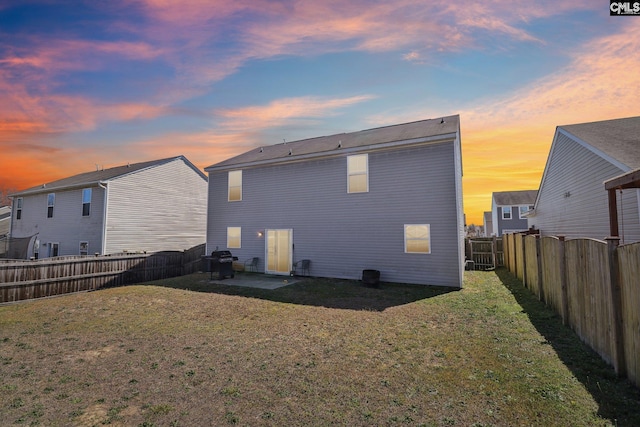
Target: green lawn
column 182, row 352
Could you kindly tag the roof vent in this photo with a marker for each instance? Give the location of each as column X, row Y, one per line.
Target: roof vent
column 290, row 151
column 442, row 120
column 261, row 149
column 44, row 185
column 339, row 144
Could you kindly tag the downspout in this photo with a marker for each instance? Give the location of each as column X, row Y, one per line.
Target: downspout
column 104, row 216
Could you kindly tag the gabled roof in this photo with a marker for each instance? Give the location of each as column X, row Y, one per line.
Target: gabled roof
column 617, row 138
column 102, row 176
column 402, row 134
column 513, row 198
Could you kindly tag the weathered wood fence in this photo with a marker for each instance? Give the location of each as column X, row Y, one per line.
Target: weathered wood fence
column 21, row 280
column 485, row 252
column 593, row 285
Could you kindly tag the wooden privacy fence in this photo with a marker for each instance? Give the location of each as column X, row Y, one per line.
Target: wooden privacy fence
column 21, row 280
column 593, row 285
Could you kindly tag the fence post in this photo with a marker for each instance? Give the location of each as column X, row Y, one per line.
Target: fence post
column 619, row 362
column 563, row 282
column 539, row 267
column 494, row 251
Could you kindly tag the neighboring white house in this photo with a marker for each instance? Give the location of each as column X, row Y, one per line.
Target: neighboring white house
column 386, row 199
column 488, row 224
column 509, row 211
column 572, row 200
column 150, row 206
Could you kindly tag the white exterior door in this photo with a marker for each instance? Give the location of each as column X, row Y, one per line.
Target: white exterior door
column 279, row 251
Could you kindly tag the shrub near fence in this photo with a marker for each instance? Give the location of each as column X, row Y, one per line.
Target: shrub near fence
column 593, row 285
column 46, row 277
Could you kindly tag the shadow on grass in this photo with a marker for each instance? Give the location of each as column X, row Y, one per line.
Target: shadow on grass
column 320, row 292
column 618, row 399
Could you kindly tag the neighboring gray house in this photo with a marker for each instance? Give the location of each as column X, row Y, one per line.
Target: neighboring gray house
column 509, row 211
column 572, row 199
column 387, row 199
column 5, row 220
column 151, row 206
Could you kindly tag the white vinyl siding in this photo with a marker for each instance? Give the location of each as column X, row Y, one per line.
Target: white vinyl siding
column 572, row 200
column 162, row 208
column 417, row 238
column 358, row 173
column 235, row 186
column 234, row 237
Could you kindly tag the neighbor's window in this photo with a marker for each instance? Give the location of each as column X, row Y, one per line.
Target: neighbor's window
column 506, row 212
column 358, row 173
column 86, row 202
column 235, row 186
column 233, row 237
column 523, row 210
column 51, row 200
column 19, row 208
column 417, row 238
column 84, row 248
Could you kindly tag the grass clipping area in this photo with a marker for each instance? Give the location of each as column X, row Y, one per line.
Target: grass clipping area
column 183, row 352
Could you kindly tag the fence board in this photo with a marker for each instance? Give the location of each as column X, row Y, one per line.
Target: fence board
column 531, row 265
column 53, row 276
column 629, row 261
column 551, row 272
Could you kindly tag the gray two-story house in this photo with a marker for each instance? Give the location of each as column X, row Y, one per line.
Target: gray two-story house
column 387, row 199
column 509, row 211
column 150, row 206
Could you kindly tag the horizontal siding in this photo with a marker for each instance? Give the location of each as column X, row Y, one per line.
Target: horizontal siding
column 157, row 209
column 67, row 227
column 580, row 174
column 341, row 233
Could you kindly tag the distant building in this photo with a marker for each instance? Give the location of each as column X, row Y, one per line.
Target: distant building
column 150, row 206
column 509, row 210
column 386, row 199
column 572, row 200
column 488, row 224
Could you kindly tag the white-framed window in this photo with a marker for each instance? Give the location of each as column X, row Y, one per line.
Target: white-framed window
column 51, row 201
column 235, row 186
column 86, row 202
column 506, row 212
column 19, row 208
column 358, row 173
column 417, row 238
column 84, row 248
column 523, row 210
column 234, row 237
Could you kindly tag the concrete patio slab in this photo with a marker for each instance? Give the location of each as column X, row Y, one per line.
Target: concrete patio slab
column 260, row 281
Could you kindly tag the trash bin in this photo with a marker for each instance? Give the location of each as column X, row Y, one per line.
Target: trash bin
column 371, row 278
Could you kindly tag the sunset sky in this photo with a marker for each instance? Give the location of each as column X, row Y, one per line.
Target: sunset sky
column 86, row 83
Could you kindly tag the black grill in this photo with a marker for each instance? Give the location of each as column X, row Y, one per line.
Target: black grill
column 221, row 262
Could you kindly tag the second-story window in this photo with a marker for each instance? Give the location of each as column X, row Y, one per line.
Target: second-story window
column 506, row 212
column 86, row 202
column 19, row 208
column 235, row 186
column 358, row 173
column 51, row 201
